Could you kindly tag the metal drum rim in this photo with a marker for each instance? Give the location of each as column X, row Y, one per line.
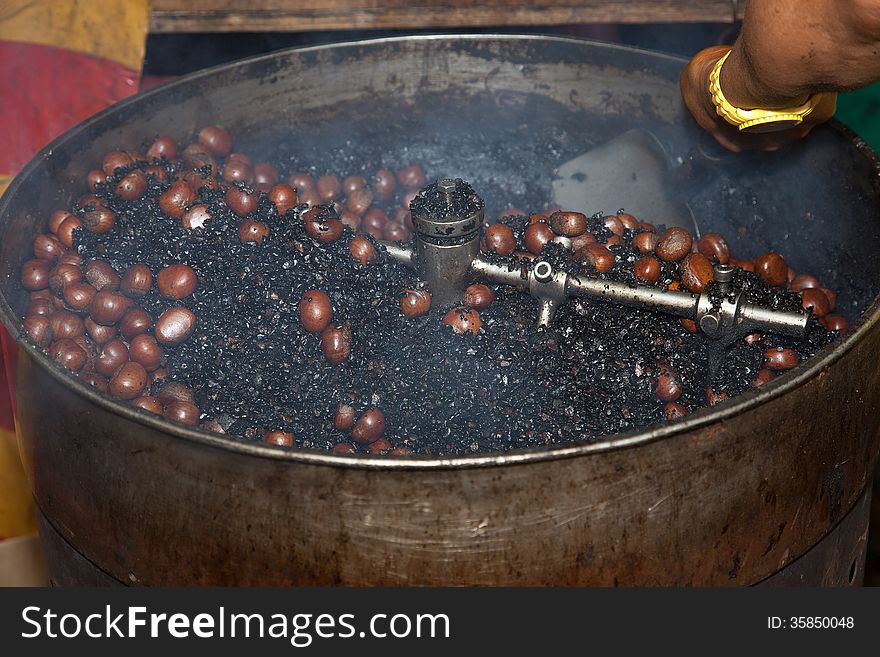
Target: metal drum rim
column 632, row 439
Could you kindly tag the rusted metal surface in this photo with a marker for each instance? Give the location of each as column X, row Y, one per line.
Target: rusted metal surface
column 728, row 496
column 836, row 560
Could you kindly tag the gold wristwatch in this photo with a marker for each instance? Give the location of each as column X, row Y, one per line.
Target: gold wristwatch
column 756, row 120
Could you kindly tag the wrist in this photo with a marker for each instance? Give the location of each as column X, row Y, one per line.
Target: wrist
column 746, row 86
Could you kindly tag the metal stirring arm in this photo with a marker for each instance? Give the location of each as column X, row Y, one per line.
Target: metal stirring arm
column 446, row 253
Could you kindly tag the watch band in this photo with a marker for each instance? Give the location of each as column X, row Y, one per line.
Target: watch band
column 756, row 119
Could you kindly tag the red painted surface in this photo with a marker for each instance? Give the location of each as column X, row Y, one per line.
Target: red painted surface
column 43, row 92
column 48, row 90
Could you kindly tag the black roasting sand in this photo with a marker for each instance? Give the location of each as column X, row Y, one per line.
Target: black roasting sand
column 254, row 368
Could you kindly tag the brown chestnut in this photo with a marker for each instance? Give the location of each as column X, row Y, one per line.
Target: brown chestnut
column 148, row 403
column 343, row 448
column 241, row 157
column 597, row 256
column 101, row 276
column 369, row 426
column 108, row 307
column 110, row 357
column 68, row 353
column 98, row 332
column 57, row 218
column 362, row 250
column 42, row 307
column 116, row 160
column 714, row 396
column 198, row 158
column 137, row 281
column 384, row 185
column 66, row 231
column 134, row 322
column 714, row 247
column 95, row 179
column 351, row 183
column 39, row 328
column 359, row 200
column 164, row 148
column 412, row 177
column 647, row 269
column 763, row 376
column 613, row 223
column 463, row 320
column 696, row 272
column 265, row 176
column 328, row 188
column 813, row 299
column 175, row 325
column 674, row 410
column 145, row 350
column 315, row 311
column 321, row 226
column 183, row 412
column 279, row 438
column 132, row 186
column 176, row 281
column 500, row 239
column 772, row 269
column 373, row 222
column 175, row 391
column 49, row 247
column 674, row 244
column 336, row 344
column 835, row 323
column 536, row 236
column 177, row 198
column 478, row 296
column 301, row 182
column 780, row 358
column 99, row 220
column 216, row 140
column 395, row 232
column 62, row 276
column 156, row 172
column 284, row 197
column 645, row 242
column 668, row 387
column 803, row 282
column 237, row 171
column 79, row 295
column 379, row 446
column 71, row 258
column 415, row 303
column 568, row 224
column 66, row 325
column 91, row 202
column 35, row 274
column 832, row 298
column 252, row 231
column 241, row 201
column 629, row 222
column 344, row 418
column 96, row 380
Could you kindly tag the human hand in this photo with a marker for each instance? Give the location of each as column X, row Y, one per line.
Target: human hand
column 694, row 83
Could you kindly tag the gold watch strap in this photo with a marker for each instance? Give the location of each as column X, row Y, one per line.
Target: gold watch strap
column 745, row 119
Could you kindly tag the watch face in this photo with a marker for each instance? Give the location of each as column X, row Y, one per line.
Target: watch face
column 774, row 126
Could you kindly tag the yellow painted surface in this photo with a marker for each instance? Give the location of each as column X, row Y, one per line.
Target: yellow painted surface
column 16, row 509
column 113, row 29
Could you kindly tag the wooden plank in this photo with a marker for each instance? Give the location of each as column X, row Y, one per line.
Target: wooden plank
column 317, row 15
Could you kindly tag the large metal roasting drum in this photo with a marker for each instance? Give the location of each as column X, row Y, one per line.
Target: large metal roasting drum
column 771, row 486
